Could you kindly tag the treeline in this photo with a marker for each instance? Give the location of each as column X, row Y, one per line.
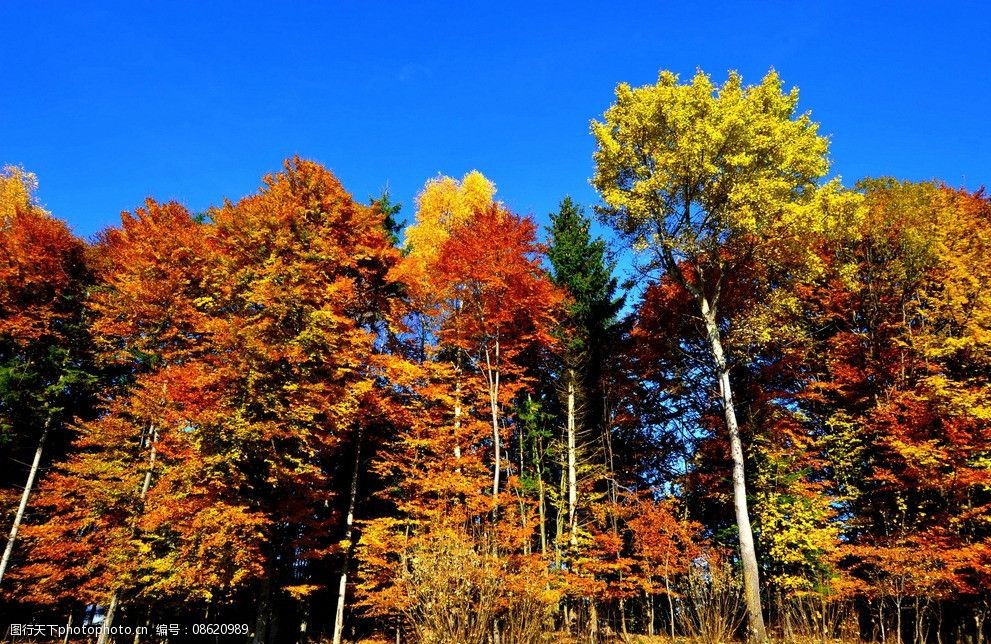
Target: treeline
column 287, row 412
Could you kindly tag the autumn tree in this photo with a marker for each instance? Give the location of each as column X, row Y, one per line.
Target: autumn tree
column 896, row 395
column 664, row 547
column 304, row 292
column 708, row 179
column 250, row 345
column 485, row 308
column 46, row 377
column 444, row 205
column 138, row 497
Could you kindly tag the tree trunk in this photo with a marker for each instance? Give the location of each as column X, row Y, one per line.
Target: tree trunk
column 593, row 620
column 32, row 475
column 898, row 620
column 748, row 555
column 622, row 619
column 348, row 534
column 667, row 591
column 457, row 417
column 152, row 455
column 649, row 600
column 493, row 378
column 152, row 434
column 572, row 463
column 108, row 620
column 541, row 497
column 264, row 608
column 921, row 628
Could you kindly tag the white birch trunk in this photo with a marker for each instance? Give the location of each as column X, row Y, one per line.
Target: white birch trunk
column 748, row 555
column 572, row 462
column 108, row 620
column 32, row 475
column 493, row 378
column 348, row 535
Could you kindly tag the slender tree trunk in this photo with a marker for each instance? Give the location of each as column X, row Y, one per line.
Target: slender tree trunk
column 649, row 598
column 108, row 618
column 32, row 475
column 493, row 377
column 108, row 621
column 572, row 462
column 748, row 555
column 920, row 612
column 68, row 626
column 667, row 591
column 348, row 535
column 541, row 497
column 152, row 455
column 264, row 608
column 457, row 416
column 898, row 620
column 880, row 619
column 622, row 619
column 593, row 620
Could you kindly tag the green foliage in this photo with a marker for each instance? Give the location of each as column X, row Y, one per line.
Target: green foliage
column 580, row 265
column 389, row 210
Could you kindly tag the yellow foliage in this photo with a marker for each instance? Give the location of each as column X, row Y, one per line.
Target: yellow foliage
column 684, row 165
column 301, row 591
column 17, row 188
column 443, row 205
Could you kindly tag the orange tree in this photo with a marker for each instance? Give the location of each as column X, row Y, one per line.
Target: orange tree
column 46, row 376
column 896, row 393
column 485, row 309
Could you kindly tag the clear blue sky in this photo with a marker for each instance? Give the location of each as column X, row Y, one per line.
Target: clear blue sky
column 197, row 101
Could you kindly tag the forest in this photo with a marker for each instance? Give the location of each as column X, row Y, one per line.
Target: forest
column 758, row 410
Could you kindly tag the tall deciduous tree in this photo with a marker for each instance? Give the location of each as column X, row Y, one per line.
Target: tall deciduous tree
column 895, row 390
column 707, row 179
column 123, row 497
column 304, row 292
column 45, row 376
column 485, row 311
column 505, row 305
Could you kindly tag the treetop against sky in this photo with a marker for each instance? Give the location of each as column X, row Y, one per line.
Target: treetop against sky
column 109, row 104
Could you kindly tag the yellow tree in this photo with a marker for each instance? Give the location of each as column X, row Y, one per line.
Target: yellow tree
column 444, row 204
column 710, row 180
column 484, row 308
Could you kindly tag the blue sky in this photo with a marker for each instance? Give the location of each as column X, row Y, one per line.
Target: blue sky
column 109, row 103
